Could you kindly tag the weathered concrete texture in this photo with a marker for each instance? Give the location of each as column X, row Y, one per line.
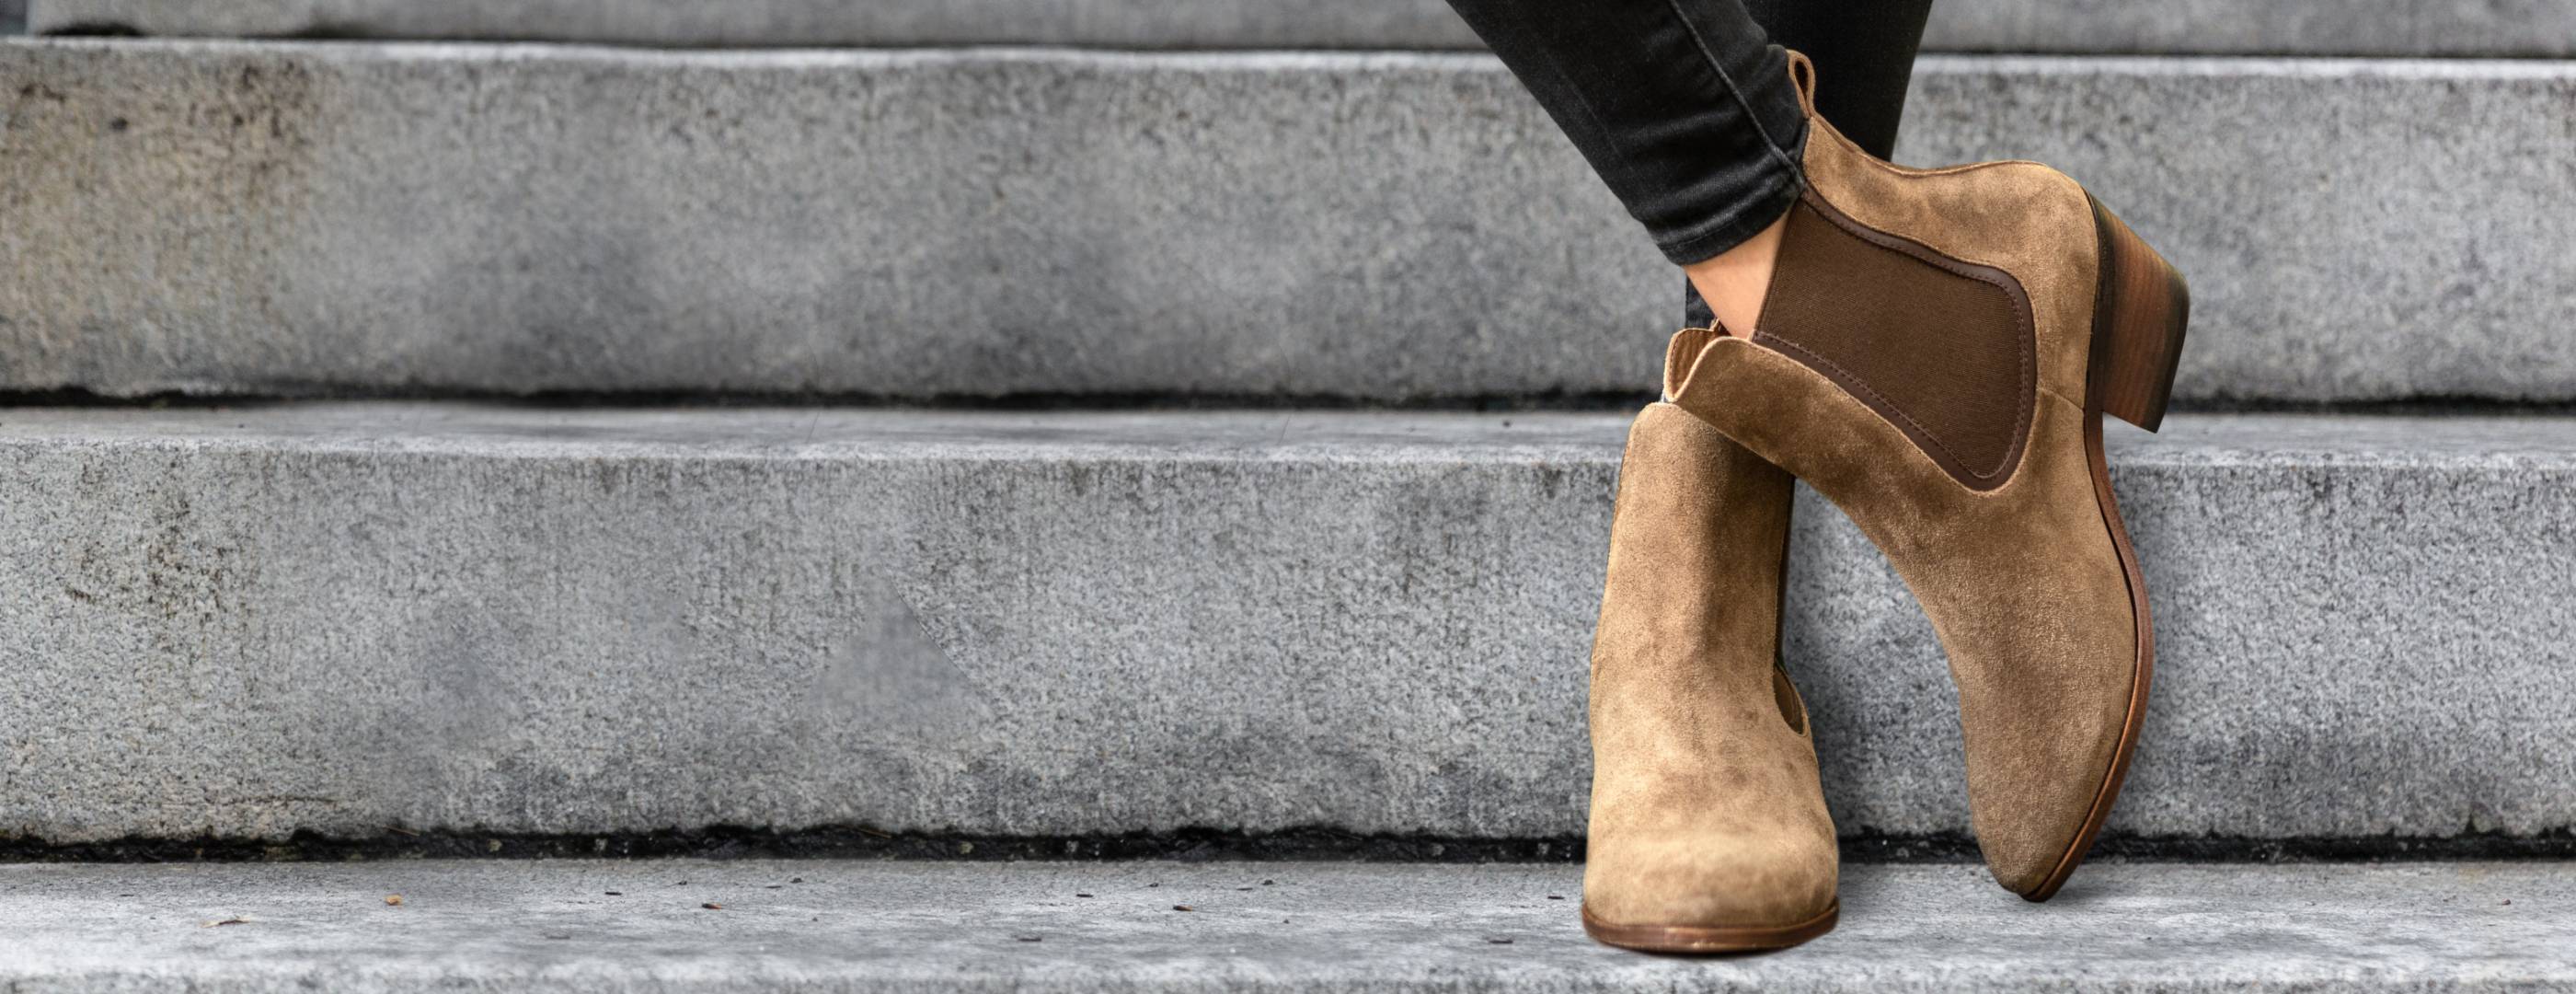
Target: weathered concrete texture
column 2339, row 245
column 2234, row 27
column 298, row 218
column 348, row 617
column 1389, row 24
column 584, row 926
column 2302, row 27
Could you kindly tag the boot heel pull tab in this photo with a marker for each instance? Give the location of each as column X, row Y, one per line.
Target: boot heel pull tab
column 1802, row 72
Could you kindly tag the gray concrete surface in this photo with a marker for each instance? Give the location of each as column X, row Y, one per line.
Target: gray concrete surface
column 342, row 618
column 2528, row 28
column 301, row 218
column 2307, row 27
column 1389, row 24
column 929, row 927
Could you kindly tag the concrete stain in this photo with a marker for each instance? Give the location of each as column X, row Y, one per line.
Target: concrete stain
column 217, row 154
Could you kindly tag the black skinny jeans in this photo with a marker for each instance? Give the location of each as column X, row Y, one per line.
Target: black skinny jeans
column 1685, row 108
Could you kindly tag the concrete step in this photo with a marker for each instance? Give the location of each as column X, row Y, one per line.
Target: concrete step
column 649, row 926
column 250, row 621
column 2305, row 27
column 270, row 218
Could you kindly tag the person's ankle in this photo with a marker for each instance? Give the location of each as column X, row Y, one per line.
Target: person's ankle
column 1736, row 281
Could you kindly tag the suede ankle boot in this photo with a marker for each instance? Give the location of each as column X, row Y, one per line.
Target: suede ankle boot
column 1935, row 355
column 1709, row 831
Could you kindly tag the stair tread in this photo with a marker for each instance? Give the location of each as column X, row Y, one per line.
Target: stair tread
column 891, row 432
column 2328, row 27
column 871, row 925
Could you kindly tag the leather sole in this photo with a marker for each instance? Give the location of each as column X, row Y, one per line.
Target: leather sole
column 1709, row 939
column 2140, row 311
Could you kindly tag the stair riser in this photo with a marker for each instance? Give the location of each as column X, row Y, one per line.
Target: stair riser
column 552, row 622
column 2302, row 27
column 314, row 219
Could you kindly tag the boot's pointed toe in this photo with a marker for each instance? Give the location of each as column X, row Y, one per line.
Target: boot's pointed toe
column 1760, row 886
column 1935, row 356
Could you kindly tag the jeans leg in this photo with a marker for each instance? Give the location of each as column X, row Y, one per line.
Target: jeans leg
column 1864, row 54
column 1684, row 107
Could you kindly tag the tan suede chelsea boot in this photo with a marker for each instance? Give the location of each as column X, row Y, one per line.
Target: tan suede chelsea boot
column 1935, row 354
column 1709, row 831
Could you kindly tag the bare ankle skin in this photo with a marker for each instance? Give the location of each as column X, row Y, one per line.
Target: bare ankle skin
column 1734, row 282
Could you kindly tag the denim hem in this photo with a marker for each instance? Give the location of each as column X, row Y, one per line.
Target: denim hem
column 1747, row 219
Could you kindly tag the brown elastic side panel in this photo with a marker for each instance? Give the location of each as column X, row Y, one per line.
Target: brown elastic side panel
column 1943, row 349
